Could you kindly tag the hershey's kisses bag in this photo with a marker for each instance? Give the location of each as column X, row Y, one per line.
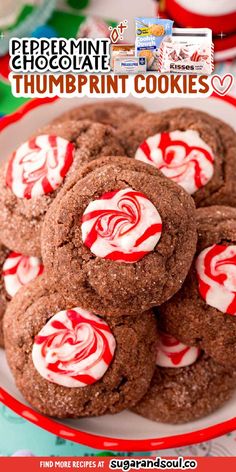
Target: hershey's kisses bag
column 188, row 50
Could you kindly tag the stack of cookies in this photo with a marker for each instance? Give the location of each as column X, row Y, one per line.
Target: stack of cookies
column 116, row 292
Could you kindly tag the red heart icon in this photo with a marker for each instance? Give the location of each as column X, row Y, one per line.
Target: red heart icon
column 222, row 85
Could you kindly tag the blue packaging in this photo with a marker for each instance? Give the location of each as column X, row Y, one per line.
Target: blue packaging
column 149, row 35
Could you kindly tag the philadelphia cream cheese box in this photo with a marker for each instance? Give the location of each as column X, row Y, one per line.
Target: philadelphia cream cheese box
column 130, row 65
column 121, row 50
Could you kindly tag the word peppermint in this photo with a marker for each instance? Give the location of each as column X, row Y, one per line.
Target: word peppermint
column 59, row 55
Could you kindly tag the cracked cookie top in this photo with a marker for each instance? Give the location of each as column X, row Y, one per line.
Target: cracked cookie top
column 190, row 147
column 71, row 362
column 38, row 170
column 121, row 236
column 206, row 302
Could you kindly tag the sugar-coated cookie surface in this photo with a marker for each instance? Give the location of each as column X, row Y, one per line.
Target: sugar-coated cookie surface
column 100, row 245
column 115, row 291
column 203, row 312
column 16, row 271
column 191, row 147
column 108, row 112
column 70, row 362
column 4, row 297
column 38, row 170
column 179, row 395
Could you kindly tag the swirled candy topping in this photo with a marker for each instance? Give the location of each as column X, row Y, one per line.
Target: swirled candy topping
column 216, row 272
column 74, row 348
column 19, row 270
column 172, row 353
column 39, row 166
column 180, row 155
column 122, row 226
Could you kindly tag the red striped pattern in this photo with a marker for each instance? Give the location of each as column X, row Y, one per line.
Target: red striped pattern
column 216, row 272
column 39, row 166
column 180, row 155
column 121, row 226
column 172, row 353
column 74, row 349
column 19, row 270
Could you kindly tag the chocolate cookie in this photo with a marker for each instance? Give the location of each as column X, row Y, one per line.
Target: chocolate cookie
column 4, row 298
column 16, row 270
column 108, row 112
column 203, row 312
column 190, row 147
column 68, row 362
column 187, row 384
column 121, row 239
column 37, row 171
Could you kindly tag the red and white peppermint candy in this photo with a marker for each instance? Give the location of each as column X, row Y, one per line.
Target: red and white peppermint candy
column 122, row 226
column 172, row 353
column 216, row 272
column 19, row 270
column 74, row 348
column 180, row 155
column 39, row 166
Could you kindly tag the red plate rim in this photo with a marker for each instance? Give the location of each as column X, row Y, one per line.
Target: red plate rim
column 92, row 440
column 114, row 444
column 37, row 102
